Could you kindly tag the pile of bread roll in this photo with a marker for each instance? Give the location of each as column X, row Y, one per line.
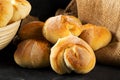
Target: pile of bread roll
column 13, row 10
column 61, row 42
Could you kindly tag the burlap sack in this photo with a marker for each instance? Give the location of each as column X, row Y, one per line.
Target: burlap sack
column 71, row 9
column 105, row 13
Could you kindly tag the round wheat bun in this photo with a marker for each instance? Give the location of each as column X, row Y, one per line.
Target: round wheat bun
column 60, row 26
column 6, row 12
column 32, row 53
column 21, row 9
column 31, row 30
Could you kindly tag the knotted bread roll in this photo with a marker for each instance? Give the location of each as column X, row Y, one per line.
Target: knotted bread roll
column 72, row 54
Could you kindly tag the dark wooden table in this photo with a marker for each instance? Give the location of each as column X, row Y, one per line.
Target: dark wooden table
column 9, row 70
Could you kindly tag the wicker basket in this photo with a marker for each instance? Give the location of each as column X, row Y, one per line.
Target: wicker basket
column 7, row 33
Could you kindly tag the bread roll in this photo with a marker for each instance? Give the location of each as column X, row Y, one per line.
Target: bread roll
column 21, row 8
column 96, row 36
column 60, row 26
column 6, row 12
column 32, row 54
column 31, row 30
column 72, row 54
column 28, row 19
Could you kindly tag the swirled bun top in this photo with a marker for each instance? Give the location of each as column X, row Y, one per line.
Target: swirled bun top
column 72, row 54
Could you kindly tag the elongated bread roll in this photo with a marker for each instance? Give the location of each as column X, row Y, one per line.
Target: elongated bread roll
column 60, row 26
column 96, row 36
column 72, row 54
column 6, row 12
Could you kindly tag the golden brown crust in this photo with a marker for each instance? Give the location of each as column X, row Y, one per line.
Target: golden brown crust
column 32, row 54
column 96, row 36
column 21, row 8
column 28, row 19
column 31, row 30
column 72, row 53
column 60, row 26
column 6, row 12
